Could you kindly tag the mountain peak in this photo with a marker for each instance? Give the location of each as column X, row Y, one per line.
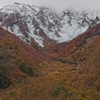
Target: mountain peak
column 18, row 7
column 44, row 25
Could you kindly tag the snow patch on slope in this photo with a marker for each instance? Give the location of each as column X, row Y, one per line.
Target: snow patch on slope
column 60, row 27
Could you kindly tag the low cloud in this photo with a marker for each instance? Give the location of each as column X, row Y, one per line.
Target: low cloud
column 59, row 4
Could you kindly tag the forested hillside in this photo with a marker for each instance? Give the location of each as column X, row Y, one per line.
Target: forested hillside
column 68, row 71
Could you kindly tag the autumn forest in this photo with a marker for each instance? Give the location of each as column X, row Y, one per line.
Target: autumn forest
column 66, row 71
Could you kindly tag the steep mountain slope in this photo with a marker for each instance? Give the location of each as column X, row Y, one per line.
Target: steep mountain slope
column 83, row 54
column 17, row 59
column 71, row 47
column 44, row 26
column 73, row 72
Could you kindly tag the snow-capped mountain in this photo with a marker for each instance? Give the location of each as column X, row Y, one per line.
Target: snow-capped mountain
column 44, row 26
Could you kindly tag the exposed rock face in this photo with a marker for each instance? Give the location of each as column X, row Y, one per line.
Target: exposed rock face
column 44, row 26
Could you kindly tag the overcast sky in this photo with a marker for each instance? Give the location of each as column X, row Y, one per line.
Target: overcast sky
column 58, row 4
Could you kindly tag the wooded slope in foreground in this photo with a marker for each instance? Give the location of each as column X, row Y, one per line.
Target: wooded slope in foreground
column 68, row 71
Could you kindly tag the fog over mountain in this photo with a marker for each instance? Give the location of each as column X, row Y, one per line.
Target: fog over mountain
column 59, row 4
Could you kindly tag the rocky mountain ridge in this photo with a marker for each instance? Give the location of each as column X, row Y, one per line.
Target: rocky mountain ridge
column 40, row 26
